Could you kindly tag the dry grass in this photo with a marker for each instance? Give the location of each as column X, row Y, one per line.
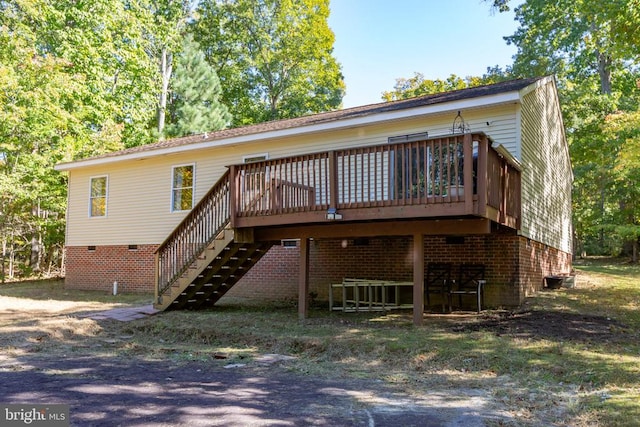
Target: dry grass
column 568, row 357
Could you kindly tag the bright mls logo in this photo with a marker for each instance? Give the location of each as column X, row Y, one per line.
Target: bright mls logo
column 34, row 415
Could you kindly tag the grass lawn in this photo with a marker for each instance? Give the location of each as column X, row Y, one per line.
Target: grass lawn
column 566, row 357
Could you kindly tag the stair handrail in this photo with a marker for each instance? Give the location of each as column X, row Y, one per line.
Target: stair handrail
column 196, row 231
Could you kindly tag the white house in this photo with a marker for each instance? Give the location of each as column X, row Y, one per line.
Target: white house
column 382, row 192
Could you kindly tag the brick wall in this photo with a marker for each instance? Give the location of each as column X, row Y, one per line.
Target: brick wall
column 537, row 261
column 97, row 269
column 382, row 258
column 274, row 277
column 516, row 266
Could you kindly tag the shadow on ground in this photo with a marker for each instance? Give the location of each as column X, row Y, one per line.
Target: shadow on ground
column 552, row 325
column 107, row 392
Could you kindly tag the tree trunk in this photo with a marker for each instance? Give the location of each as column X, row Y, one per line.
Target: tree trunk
column 634, row 251
column 604, row 71
column 4, row 254
column 12, row 255
column 36, row 242
column 166, row 67
column 34, row 261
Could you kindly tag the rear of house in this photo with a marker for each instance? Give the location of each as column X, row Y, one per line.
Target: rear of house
column 352, row 193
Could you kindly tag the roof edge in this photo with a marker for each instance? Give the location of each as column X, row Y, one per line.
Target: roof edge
column 352, row 117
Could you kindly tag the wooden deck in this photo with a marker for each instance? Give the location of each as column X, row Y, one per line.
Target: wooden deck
column 457, row 184
column 453, row 176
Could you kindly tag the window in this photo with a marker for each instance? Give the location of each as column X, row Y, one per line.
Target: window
column 182, row 188
column 289, row 243
column 255, row 158
column 98, row 197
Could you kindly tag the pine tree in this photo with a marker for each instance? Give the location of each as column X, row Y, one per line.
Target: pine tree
column 195, row 92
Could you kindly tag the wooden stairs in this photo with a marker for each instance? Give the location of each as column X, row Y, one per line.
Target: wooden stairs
column 220, row 266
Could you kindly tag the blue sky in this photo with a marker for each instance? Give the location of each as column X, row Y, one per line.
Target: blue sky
column 378, row 41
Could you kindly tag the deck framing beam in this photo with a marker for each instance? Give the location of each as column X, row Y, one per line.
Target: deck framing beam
column 376, row 229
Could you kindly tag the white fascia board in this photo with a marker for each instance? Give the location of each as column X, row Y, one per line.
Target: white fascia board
column 504, row 98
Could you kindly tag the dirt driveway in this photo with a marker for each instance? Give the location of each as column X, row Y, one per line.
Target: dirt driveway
column 52, row 354
column 107, row 392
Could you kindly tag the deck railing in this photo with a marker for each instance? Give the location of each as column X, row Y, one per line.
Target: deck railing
column 452, row 169
column 270, row 187
column 196, row 231
column 503, row 188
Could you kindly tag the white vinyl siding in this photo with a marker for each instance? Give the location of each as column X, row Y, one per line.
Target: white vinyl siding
column 140, row 213
column 547, row 176
column 98, row 192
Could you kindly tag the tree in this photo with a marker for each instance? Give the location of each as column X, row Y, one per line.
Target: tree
column 418, row 85
column 273, row 57
column 573, row 39
column 195, row 106
column 76, row 80
column 622, row 130
column 591, row 46
column 170, row 19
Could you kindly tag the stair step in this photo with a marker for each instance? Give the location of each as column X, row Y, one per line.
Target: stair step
column 217, row 273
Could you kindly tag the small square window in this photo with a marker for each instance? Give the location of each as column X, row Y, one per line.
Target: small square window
column 455, row 240
column 289, row 243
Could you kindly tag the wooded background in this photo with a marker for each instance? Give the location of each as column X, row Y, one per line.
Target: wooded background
column 82, row 78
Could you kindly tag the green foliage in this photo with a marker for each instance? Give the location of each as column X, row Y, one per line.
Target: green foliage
column 591, row 47
column 79, row 79
column 195, row 107
column 76, row 80
column 273, row 57
column 623, row 130
column 418, row 85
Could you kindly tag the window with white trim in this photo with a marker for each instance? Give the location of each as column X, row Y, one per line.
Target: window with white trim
column 98, row 196
column 182, row 184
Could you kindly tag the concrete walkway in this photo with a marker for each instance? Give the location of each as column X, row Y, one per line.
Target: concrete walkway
column 124, row 314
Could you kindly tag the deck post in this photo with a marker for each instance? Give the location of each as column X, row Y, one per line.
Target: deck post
column 418, row 279
column 467, row 172
column 157, row 278
column 481, row 178
column 303, row 279
column 233, row 199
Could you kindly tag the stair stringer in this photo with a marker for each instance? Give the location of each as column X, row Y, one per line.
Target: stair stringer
column 221, row 275
column 217, row 246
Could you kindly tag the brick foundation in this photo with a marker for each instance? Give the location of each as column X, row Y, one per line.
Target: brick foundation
column 96, row 268
column 274, row 277
column 516, row 266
